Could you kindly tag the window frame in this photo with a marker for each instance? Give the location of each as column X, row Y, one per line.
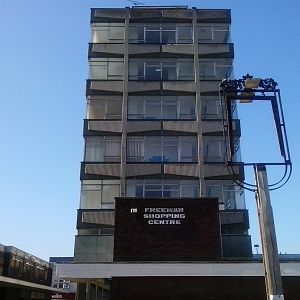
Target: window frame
column 161, row 30
column 107, row 27
column 98, row 186
column 161, row 186
column 106, row 64
column 143, row 101
column 161, row 143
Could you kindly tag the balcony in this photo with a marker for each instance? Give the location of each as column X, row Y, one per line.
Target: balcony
column 219, row 171
column 95, row 218
column 93, row 248
column 159, row 126
column 236, row 246
column 216, row 50
column 236, row 218
column 156, row 170
column 161, row 69
column 96, row 127
column 92, row 171
column 215, row 127
column 214, row 16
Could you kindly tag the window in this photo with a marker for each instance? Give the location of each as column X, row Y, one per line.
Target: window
column 108, row 33
column 157, row 188
column 211, row 107
column 61, row 284
column 106, row 68
column 213, row 34
column 99, row 194
column 214, row 149
column 104, row 107
column 16, row 265
column 158, row 149
column 102, row 149
column 215, row 70
column 168, row 33
column 161, row 107
column 97, row 231
column 161, row 69
column 229, row 194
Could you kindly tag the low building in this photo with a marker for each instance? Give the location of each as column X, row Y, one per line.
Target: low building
column 24, row 276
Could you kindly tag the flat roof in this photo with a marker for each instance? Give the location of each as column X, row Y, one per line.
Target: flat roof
column 76, row 272
column 7, row 281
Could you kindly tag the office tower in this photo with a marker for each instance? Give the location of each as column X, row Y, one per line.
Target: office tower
column 154, row 130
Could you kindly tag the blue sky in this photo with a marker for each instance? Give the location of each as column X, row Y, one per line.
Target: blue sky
column 43, row 68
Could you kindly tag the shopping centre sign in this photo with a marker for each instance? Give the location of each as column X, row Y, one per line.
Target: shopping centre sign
column 147, row 229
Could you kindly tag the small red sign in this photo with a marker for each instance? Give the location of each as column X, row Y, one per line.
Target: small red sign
column 63, row 296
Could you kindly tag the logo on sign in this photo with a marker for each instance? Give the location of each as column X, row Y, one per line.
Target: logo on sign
column 56, row 296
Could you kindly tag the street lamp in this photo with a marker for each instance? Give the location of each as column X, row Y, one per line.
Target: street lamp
column 247, row 90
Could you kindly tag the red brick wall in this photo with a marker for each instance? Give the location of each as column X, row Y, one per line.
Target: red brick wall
column 196, row 238
column 199, row 288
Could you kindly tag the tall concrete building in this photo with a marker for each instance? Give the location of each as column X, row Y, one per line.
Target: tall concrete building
column 155, row 188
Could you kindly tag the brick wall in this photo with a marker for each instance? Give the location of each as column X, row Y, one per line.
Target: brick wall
column 199, row 288
column 196, row 238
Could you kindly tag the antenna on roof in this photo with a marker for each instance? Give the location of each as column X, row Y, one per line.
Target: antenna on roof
column 136, row 2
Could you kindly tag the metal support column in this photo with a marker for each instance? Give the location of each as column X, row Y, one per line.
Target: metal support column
column 268, row 236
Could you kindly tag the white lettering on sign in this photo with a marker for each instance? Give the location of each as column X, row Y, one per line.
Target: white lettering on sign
column 164, row 215
column 57, row 296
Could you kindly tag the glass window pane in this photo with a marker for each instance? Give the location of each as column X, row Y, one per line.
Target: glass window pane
column 215, row 191
column 90, row 199
column 116, row 34
column 214, row 150
column 229, row 199
column 136, row 34
column 187, row 108
column 171, row 190
column 170, row 149
column 169, row 71
column 186, row 70
column 135, row 109
column 188, row 150
column 153, row 194
column 190, row 191
column 205, row 34
column 94, row 149
column 211, row 109
column 168, row 37
column 168, row 27
column 139, row 191
column 152, row 27
column 152, row 37
column 130, row 190
column 98, row 70
column 112, row 149
column 135, row 149
column 207, row 70
column 136, row 69
column 184, row 34
column 96, row 109
column 152, row 109
column 169, row 109
column 153, row 71
column 114, row 108
column 153, row 149
column 115, row 70
column 100, row 34
column 109, row 193
column 221, row 34
column 223, row 71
